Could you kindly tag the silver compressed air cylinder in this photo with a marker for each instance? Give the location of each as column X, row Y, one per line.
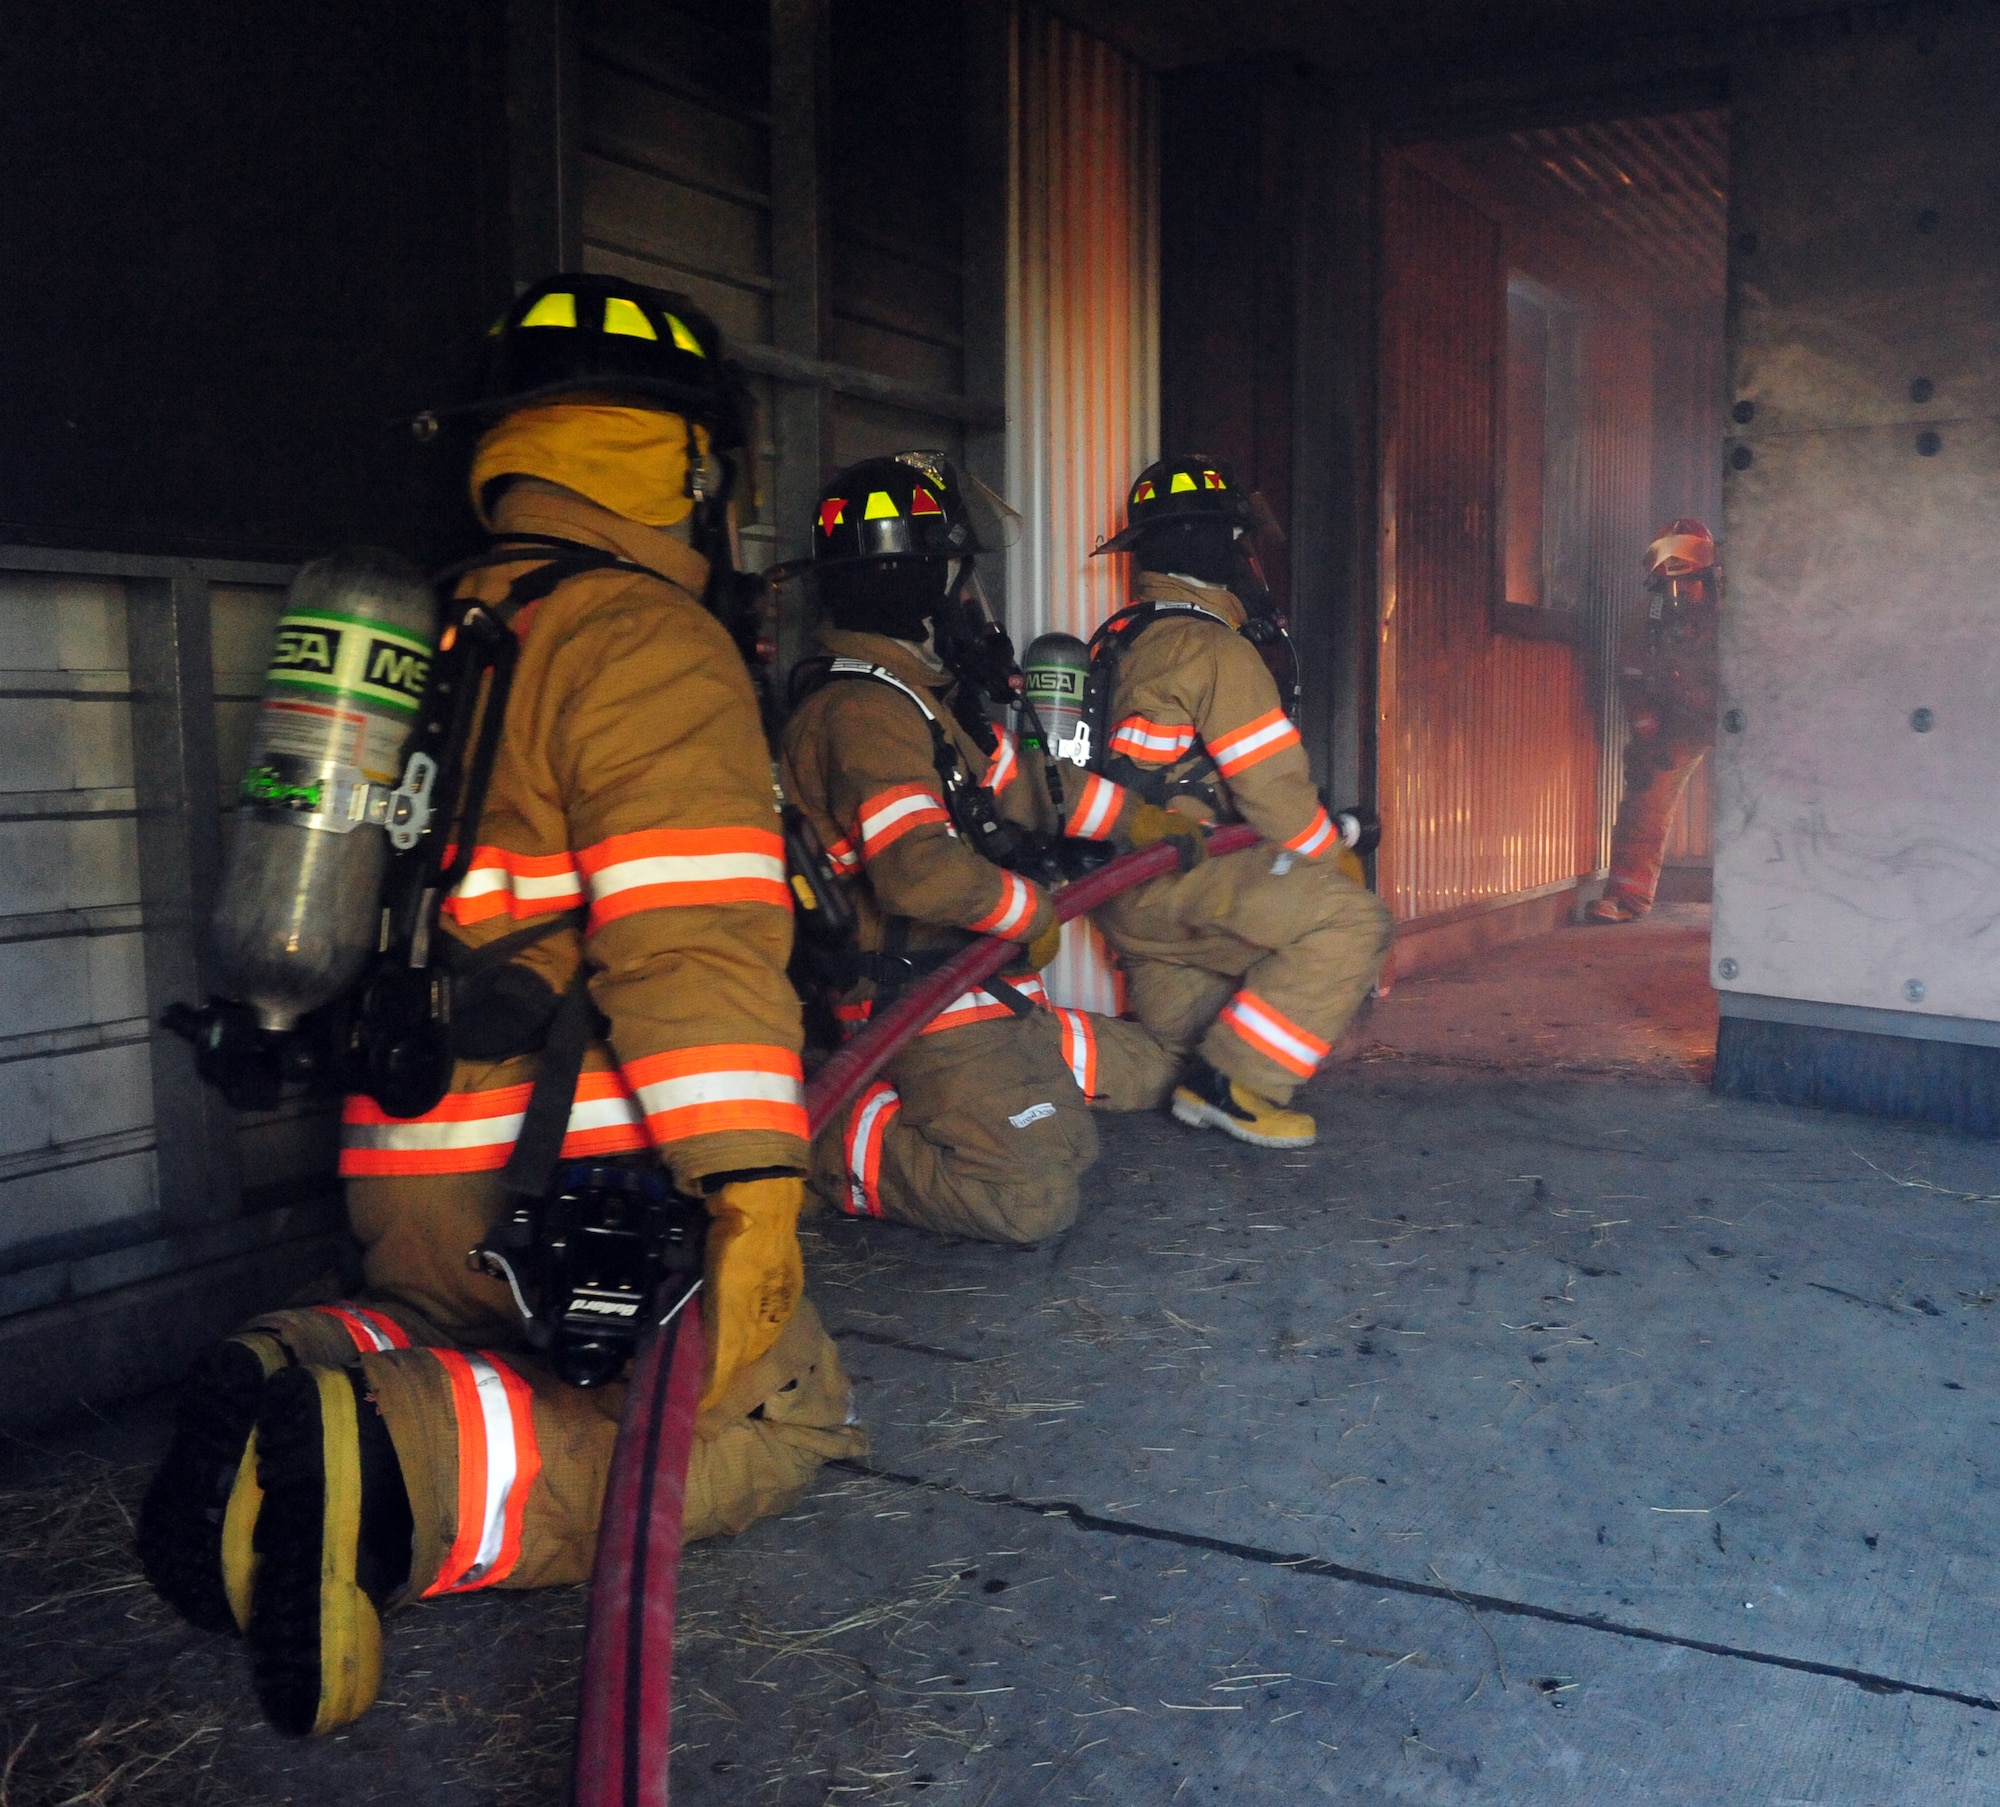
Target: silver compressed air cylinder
column 1055, row 674
column 299, row 911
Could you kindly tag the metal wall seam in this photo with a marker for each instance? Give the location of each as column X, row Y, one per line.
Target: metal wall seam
column 1082, row 343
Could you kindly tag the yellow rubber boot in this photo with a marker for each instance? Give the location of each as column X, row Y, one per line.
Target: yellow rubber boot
column 1206, row 1099
column 332, row 1543
column 201, row 1506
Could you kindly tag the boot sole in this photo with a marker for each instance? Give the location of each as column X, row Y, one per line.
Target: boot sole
column 315, row 1636
column 185, row 1529
column 1198, row 1113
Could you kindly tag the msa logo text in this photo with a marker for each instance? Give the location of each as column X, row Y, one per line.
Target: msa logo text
column 606, row 1308
column 315, row 649
column 393, row 667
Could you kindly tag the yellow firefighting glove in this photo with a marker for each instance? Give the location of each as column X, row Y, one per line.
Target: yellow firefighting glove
column 1043, row 948
column 1150, row 824
column 754, row 1275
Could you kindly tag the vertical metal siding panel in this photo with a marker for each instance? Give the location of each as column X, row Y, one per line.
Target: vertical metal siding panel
column 1617, row 457
column 1082, row 337
column 1483, row 735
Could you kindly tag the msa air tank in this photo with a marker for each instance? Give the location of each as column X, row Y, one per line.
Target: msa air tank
column 1055, row 676
column 299, row 911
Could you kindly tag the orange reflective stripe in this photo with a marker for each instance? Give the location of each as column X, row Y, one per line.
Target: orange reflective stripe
column 1096, row 811
column 1253, row 742
column 886, row 818
column 498, row 1464
column 500, row 882
column 665, row 868
column 968, row 1007
column 1080, row 1049
column 1275, row 1035
column 474, row 1132
column 725, row 1086
column 370, row 1331
column 1005, row 765
column 1014, row 911
column 842, row 854
column 866, row 1130
column 1151, row 742
column 1316, row 837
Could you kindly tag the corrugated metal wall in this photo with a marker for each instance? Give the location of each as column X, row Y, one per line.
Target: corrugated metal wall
column 76, row 1116
column 1485, row 749
column 77, row 1143
column 1082, row 344
column 1618, row 525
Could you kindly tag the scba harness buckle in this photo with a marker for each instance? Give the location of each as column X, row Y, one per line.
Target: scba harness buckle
column 609, row 1252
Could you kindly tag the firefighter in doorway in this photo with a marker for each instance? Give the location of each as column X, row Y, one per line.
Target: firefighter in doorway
column 330, row 1461
column 981, row 1126
column 1669, row 692
column 1250, row 966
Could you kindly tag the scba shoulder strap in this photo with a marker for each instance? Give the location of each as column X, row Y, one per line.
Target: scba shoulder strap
column 1108, row 648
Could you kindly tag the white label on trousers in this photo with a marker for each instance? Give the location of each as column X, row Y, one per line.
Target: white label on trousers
column 1033, row 1114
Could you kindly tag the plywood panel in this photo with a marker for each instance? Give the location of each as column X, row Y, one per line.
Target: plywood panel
column 1858, row 858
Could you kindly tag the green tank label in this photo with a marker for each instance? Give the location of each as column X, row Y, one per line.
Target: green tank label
column 343, row 655
column 1054, row 680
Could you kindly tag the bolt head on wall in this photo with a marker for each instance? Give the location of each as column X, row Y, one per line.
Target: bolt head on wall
column 1913, row 989
column 1726, row 968
column 1922, row 720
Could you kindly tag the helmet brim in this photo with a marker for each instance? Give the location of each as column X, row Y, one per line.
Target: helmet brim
column 1125, row 541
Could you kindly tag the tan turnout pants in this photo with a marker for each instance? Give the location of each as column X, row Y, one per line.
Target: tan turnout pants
column 1657, row 770
column 984, row 1130
column 1257, row 968
column 472, row 1411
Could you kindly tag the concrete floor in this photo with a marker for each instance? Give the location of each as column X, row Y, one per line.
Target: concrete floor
column 1552, row 1432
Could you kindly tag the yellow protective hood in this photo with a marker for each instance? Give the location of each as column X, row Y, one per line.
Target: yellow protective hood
column 633, row 461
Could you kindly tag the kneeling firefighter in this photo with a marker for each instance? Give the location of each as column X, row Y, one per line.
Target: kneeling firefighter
column 1251, row 966
column 980, row 1126
column 619, row 934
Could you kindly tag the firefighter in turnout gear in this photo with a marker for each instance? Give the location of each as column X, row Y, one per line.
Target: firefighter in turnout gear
column 1669, row 689
column 981, row 1126
column 333, row 1460
column 1251, row 965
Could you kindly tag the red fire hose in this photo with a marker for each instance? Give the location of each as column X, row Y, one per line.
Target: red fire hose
column 833, row 1087
column 622, row 1735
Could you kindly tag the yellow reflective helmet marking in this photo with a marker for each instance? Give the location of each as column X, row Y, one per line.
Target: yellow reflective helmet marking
column 1145, row 492
column 558, row 309
column 1209, row 480
column 832, row 512
column 923, row 502
column 682, row 338
column 627, row 319
column 1181, row 481
column 880, row 507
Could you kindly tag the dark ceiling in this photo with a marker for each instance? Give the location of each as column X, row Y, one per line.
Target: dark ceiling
column 1357, row 36
column 1641, row 203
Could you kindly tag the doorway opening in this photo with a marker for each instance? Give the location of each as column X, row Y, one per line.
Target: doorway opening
column 1551, row 400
